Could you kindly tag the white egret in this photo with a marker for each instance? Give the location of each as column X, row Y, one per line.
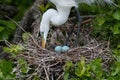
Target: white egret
column 60, row 16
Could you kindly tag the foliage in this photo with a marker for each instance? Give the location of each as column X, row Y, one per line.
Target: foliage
column 21, row 6
column 6, row 29
column 25, row 37
column 6, row 70
column 91, row 71
column 116, row 68
column 5, row 1
column 116, row 51
column 83, row 71
column 106, row 27
column 23, row 65
column 106, row 24
column 14, row 49
column 43, row 7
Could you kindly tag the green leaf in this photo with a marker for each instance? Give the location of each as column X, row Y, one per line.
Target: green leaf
column 36, row 77
column 117, row 70
column 14, row 49
column 80, row 71
column 6, row 29
column 4, row 35
column 1, row 28
column 3, row 23
column 6, row 67
column 96, row 67
column 80, row 68
column 88, row 70
column 25, row 36
column 118, row 46
column 116, row 15
column 116, row 52
column 1, row 75
column 11, row 25
column 7, row 1
column 115, row 29
column 44, row 8
column 66, row 75
column 68, row 65
column 116, row 67
column 100, row 20
column 24, row 66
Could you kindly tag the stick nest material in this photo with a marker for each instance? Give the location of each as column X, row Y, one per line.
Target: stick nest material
column 49, row 62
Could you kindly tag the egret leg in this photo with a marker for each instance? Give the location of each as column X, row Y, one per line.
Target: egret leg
column 79, row 24
column 71, row 30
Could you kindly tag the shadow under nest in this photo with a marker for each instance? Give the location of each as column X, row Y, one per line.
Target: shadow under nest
column 49, row 63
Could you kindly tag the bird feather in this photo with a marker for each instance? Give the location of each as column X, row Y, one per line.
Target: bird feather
column 98, row 2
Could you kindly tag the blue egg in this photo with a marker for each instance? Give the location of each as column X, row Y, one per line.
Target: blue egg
column 65, row 48
column 58, row 48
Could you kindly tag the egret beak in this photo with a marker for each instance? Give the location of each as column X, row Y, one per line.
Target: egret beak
column 43, row 43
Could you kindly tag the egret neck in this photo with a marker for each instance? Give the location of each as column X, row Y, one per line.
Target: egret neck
column 45, row 24
column 61, row 16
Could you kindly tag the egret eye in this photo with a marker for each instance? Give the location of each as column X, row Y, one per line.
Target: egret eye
column 41, row 33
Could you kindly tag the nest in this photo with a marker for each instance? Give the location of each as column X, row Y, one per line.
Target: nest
column 49, row 63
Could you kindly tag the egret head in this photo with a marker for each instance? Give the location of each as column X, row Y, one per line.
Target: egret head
column 44, row 33
column 44, row 29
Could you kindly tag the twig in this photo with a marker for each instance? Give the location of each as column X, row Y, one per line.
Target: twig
column 60, row 76
column 15, row 22
column 47, row 76
column 87, row 21
column 7, row 42
column 23, row 30
column 35, row 41
column 87, row 16
column 108, row 43
column 34, row 73
column 54, row 64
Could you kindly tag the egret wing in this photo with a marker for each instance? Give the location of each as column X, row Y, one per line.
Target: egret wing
column 67, row 3
column 98, row 2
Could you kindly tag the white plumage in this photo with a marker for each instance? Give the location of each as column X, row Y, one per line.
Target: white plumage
column 60, row 16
